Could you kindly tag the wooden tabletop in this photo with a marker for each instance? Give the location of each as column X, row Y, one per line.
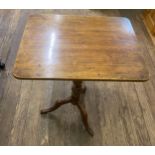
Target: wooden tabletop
column 79, row 48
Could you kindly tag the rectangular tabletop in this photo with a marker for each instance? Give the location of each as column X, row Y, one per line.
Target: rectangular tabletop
column 79, row 48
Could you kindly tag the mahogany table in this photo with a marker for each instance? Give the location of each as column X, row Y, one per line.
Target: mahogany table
column 79, row 48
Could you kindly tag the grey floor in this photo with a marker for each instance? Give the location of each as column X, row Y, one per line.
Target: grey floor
column 120, row 113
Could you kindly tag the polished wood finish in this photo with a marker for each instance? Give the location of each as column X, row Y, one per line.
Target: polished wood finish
column 77, row 90
column 79, row 48
column 75, row 48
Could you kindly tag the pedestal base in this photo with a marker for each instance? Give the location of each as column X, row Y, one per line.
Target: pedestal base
column 77, row 90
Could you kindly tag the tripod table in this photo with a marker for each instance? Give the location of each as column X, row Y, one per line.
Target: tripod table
column 79, row 48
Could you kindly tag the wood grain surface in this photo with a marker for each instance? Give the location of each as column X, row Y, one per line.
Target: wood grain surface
column 65, row 47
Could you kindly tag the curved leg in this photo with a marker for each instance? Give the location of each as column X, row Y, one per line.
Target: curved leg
column 84, row 117
column 55, row 106
column 77, row 90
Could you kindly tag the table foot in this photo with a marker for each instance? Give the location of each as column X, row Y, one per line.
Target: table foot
column 77, row 90
column 84, row 117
